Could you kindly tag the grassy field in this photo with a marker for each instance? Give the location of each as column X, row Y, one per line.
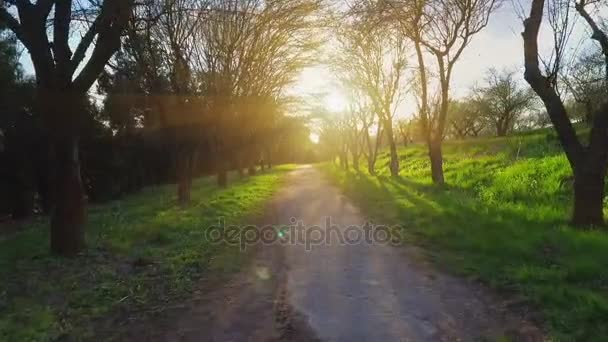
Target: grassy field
column 143, row 253
column 502, row 218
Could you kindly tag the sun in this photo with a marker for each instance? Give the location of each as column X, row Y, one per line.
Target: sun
column 335, row 101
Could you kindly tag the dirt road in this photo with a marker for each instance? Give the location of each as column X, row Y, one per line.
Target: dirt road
column 341, row 292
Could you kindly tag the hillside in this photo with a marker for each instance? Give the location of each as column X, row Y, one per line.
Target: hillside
column 502, row 218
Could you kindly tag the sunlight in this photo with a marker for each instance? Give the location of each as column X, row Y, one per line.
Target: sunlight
column 335, row 101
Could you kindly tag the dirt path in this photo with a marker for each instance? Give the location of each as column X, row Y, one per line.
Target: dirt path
column 357, row 292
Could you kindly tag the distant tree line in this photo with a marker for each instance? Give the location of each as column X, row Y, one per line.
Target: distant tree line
column 570, row 81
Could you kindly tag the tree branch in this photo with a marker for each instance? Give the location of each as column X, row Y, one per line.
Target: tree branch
column 12, row 23
column 61, row 33
column 83, row 46
column 113, row 18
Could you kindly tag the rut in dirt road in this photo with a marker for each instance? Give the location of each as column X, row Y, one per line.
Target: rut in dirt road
column 374, row 291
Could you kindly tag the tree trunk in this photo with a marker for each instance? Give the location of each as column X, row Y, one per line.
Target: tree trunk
column 588, row 195
column 269, row 162
column 222, row 177
column 371, row 167
column 501, row 130
column 355, row 161
column 436, row 158
column 344, row 159
column 184, row 178
column 68, row 215
column 251, row 170
column 394, row 163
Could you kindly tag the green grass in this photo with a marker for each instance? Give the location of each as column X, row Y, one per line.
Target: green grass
column 502, row 218
column 143, row 253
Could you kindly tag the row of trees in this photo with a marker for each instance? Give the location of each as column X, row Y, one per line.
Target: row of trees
column 371, row 40
column 186, row 87
column 374, row 39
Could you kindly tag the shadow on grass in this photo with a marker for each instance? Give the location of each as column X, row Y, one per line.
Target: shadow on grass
column 506, row 245
column 142, row 250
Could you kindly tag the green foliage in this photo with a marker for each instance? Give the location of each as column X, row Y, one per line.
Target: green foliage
column 502, row 218
column 143, row 252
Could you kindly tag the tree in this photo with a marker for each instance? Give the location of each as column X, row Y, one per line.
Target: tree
column 357, row 129
column 443, row 29
column 501, row 101
column 465, row 119
column 250, row 51
column 404, row 128
column 362, row 119
column 587, row 84
column 588, row 162
column 373, row 61
column 62, row 81
column 333, row 136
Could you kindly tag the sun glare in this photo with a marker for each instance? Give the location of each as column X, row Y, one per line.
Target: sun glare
column 335, row 101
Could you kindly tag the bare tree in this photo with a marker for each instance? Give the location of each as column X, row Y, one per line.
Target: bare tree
column 588, row 162
column 501, row 101
column 64, row 74
column 586, row 82
column 373, row 61
column 443, row 29
column 357, row 128
column 250, row 51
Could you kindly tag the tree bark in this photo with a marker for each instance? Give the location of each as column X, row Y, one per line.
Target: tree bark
column 68, row 215
column 501, row 130
column 436, row 157
column 589, row 180
column 394, row 163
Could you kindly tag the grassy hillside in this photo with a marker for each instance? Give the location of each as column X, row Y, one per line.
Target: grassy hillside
column 502, row 218
column 143, row 252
